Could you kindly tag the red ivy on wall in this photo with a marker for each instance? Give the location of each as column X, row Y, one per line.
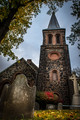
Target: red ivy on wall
column 47, row 96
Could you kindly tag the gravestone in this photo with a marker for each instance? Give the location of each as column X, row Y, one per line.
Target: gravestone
column 50, row 107
column 3, row 99
column 21, row 99
column 60, row 106
column 37, row 107
column 76, row 95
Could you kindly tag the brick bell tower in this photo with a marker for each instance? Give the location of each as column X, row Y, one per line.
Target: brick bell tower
column 54, row 66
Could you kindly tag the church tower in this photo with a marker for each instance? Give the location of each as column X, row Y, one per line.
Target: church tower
column 54, row 66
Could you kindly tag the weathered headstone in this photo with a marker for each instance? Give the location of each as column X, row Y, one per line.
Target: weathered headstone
column 3, row 98
column 37, row 107
column 21, row 99
column 76, row 95
column 50, row 107
column 60, row 106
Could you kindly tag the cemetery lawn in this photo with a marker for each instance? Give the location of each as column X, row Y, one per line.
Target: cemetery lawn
column 57, row 115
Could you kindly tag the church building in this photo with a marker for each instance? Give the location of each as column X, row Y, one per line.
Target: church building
column 54, row 65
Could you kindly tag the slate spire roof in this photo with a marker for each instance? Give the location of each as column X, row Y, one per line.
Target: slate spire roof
column 53, row 24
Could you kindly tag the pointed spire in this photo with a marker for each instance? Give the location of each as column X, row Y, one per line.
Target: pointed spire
column 53, row 24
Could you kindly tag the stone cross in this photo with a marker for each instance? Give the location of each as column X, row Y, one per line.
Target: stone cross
column 74, row 79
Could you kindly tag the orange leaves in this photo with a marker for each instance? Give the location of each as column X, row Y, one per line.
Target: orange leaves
column 57, row 115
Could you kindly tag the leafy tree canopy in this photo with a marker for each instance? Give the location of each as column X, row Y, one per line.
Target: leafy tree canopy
column 75, row 29
column 15, row 19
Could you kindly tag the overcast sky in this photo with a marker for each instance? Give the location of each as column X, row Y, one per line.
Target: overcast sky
column 30, row 48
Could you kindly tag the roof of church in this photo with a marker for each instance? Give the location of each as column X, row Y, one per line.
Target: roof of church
column 53, row 24
column 29, row 61
column 18, row 66
column 22, row 66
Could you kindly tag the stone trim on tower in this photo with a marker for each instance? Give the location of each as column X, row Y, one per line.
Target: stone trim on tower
column 54, row 55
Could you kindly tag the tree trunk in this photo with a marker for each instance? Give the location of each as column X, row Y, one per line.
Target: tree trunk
column 4, row 25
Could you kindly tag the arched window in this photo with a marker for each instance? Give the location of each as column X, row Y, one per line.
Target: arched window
column 58, row 38
column 49, row 39
column 54, row 75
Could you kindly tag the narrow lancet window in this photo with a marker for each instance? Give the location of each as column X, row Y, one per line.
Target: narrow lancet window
column 58, row 38
column 49, row 39
column 55, row 76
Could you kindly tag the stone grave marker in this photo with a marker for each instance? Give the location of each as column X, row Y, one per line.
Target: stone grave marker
column 3, row 99
column 21, row 99
column 37, row 107
column 76, row 95
column 50, row 107
column 60, row 106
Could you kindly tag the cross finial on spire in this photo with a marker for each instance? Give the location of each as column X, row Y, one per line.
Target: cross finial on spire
column 53, row 24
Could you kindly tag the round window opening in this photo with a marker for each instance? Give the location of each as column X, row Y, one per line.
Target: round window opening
column 54, row 55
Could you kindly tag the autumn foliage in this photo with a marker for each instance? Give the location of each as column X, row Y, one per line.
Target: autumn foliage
column 57, row 115
column 47, row 96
